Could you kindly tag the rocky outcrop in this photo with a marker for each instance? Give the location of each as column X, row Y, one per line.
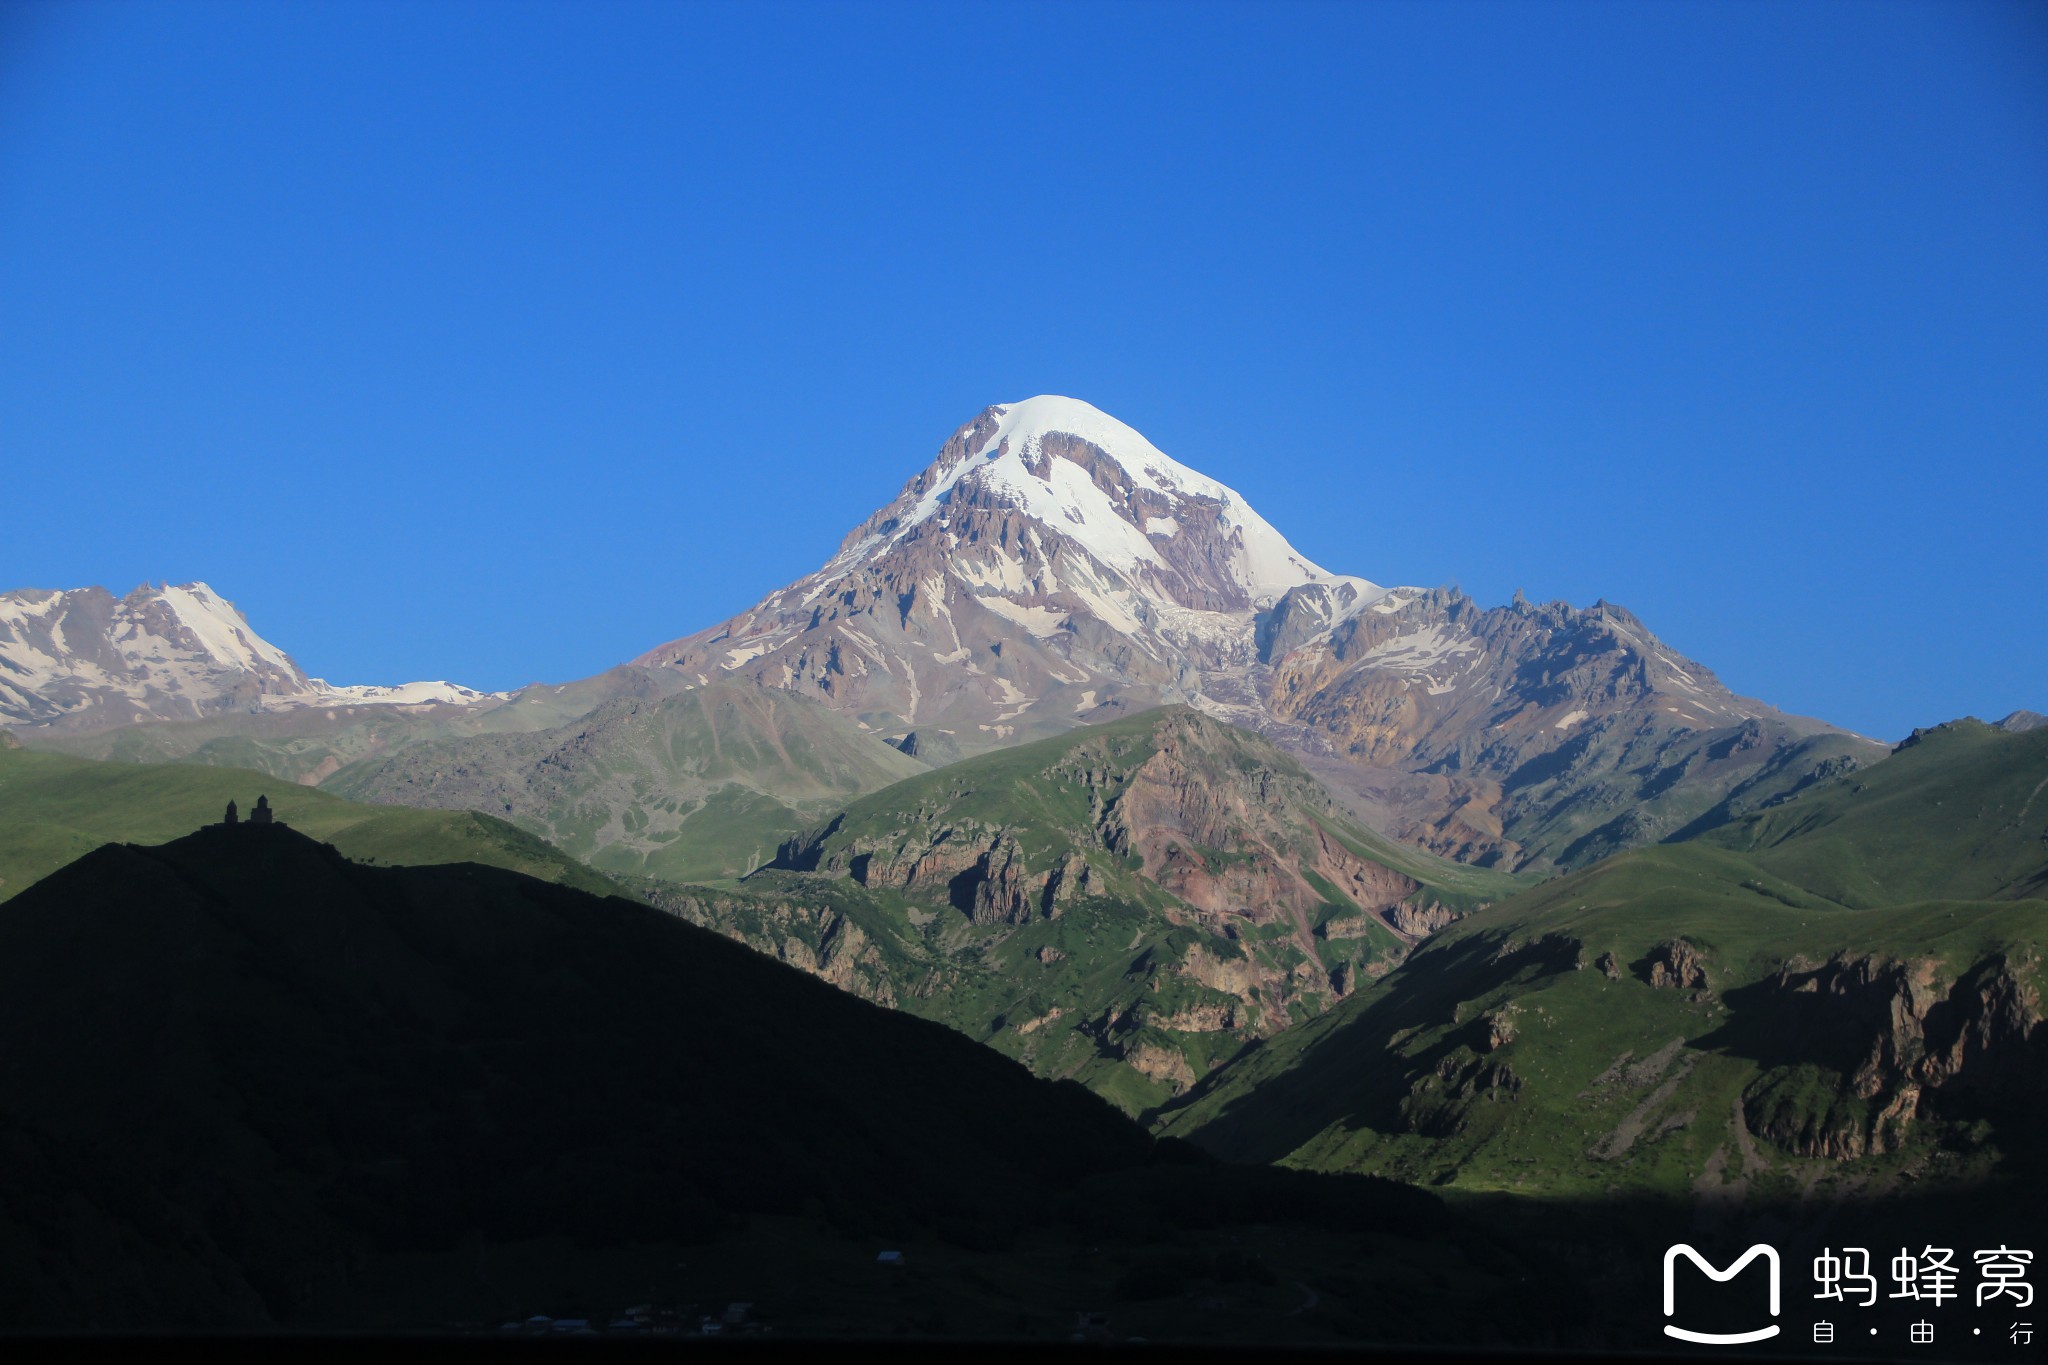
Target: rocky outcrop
column 1420, row 921
column 1211, row 1017
column 1439, row 1102
column 1231, row 836
column 1004, row 889
column 1497, row 1029
column 980, row 871
column 1167, row 1065
column 1866, row 1046
column 814, row 938
column 1676, row 964
column 1069, row 881
column 1235, row 893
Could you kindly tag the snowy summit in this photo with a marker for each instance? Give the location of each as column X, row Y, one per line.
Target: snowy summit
column 1049, row 563
column 1044, row 457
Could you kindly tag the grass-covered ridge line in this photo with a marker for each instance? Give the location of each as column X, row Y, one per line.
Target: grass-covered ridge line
column 57, row 808
column 700, row 785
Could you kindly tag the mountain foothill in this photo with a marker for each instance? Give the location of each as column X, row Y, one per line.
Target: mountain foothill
column 1068, row 869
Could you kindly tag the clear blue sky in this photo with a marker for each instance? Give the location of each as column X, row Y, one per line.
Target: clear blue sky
column 501, row 342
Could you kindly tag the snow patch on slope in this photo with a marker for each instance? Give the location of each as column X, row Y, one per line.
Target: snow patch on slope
column 1038, row 620
column 401, row 694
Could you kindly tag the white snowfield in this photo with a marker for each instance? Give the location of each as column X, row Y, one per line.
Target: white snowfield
column 173, row 651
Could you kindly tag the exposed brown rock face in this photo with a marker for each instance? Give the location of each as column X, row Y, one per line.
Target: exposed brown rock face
column 1161, row 1063
column 1205, row 1018
column 1905, row 1045
column 1182, row 809
column 1177, row 813
column 1676, row 964
column 1420, row 921
column 1497, row 1030
column 813, row 938
column 1254, row 907
column 980, row 870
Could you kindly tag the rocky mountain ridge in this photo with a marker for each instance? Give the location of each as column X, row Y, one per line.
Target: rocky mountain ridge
column 1052, row 568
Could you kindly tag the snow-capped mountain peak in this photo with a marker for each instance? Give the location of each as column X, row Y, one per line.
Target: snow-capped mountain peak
column 1171, row 532
column 1049, row 560
column 1022, row 426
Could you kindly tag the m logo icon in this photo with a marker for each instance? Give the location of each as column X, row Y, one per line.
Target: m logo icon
column 1770, row 1256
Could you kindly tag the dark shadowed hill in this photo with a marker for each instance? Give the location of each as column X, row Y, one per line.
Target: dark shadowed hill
column 239, row 1067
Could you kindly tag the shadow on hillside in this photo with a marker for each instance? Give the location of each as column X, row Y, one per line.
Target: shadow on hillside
column 1349, row 1055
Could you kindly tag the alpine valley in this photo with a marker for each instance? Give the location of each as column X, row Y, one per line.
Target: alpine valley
column 1070, row 751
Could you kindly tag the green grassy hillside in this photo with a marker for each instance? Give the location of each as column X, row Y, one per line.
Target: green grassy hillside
column 697, row 786
column 1736, row 1016
column 1964, row 816
column 56, row 808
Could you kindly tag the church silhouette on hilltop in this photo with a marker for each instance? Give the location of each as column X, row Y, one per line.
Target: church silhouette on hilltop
column 260, row 815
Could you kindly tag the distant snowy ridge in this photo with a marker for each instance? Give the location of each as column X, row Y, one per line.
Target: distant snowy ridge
column 82, row 658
